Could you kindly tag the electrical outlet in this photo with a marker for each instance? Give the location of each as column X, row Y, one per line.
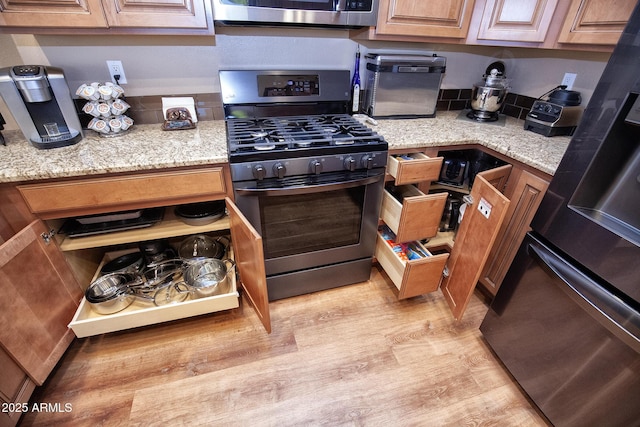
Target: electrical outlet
column 485, row 208
column 115, row 68
column 568, row 80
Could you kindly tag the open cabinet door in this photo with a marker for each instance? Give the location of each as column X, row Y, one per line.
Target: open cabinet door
column 39, row 296
column 247, row 248
column 476, row 235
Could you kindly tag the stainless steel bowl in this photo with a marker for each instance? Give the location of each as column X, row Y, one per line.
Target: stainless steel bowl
column 487, row 98
column 208, row 277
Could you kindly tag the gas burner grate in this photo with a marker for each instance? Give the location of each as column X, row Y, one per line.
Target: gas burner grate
column 297, row 132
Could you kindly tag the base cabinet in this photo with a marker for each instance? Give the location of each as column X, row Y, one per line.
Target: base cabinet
column 526, row 192
column 15, row 389
column 43, row 277
column 39, row 293
column 477, row 233
column 410, row 247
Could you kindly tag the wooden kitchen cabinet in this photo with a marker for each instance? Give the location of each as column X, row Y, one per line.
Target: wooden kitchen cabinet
column 455, row 273
column 40, row 294
column 525, row 192
column 411, row 215
column 595, row 21
column 191, row 14
column 476, row 235
column 15, row 389
column 440, row 18
column 52, row 14
column 550, row 24
column 516, row 20
column 112, row 16
column 86, row 196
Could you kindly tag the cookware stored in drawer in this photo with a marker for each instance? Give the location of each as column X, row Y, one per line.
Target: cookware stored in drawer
column 141, row 312
column 414, row 167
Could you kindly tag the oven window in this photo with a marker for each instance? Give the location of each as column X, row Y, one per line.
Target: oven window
column 311, row 222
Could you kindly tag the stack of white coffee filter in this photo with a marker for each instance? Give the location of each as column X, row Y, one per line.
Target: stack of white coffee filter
column 107, row 107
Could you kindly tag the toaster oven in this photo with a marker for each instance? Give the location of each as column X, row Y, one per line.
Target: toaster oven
column 402, row 85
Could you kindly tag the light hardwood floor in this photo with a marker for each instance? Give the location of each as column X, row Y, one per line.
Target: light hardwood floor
column 351, row 356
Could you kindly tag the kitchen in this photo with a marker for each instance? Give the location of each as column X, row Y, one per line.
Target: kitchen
column 243, row 48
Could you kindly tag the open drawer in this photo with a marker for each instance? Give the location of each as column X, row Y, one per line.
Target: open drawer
column 412, row 214
column 87, row 322
column 414, row 167
column 85, row 196
column 414, row 276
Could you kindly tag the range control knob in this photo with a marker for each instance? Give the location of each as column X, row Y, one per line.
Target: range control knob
column 350, row 163
column 316, row 166
column 279, row 170
column 259, row 172
column 367, row 161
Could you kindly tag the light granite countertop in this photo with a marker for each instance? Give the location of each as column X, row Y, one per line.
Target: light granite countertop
column 507, row 137
column 147, row 147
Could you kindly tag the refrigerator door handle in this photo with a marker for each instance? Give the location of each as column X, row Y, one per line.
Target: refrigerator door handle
column 608, row 310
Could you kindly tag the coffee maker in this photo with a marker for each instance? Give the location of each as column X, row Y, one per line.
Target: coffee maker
column 39, row 99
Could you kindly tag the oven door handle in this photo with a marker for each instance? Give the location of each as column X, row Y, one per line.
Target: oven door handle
column 308, row 189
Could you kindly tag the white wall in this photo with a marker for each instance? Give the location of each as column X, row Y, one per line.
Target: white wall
column 162, row 65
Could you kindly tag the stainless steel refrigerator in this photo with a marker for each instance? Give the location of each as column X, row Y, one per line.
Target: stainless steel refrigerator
column 566, row 320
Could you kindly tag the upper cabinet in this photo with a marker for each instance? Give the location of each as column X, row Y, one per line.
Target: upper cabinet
column 107, row 16
column 443, row 18
column 52, row 14
column 192, row 14
column 516, row 20
column 596, row 21
column 573, row 24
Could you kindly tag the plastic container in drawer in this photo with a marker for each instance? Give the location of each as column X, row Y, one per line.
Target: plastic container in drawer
column 414, row 167
column 411, row 214
column 87, row 322
column 412, row 277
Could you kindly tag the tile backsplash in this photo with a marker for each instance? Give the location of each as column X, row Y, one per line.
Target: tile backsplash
column 148, row 109
column 514, row 105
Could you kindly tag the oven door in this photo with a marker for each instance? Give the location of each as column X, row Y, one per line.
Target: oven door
column 312, row 221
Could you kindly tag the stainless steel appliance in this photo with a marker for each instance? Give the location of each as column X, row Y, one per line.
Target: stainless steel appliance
column 488, row 96
column 402, row 85
column 566, row 320
column 39, row 99
column 307, row 176
column 339, row 13
column 557, row 115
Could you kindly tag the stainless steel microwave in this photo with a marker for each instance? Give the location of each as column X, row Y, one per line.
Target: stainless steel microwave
column 338, row 13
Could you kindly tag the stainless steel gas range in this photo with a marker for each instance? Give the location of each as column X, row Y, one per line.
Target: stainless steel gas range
column 307, row 176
